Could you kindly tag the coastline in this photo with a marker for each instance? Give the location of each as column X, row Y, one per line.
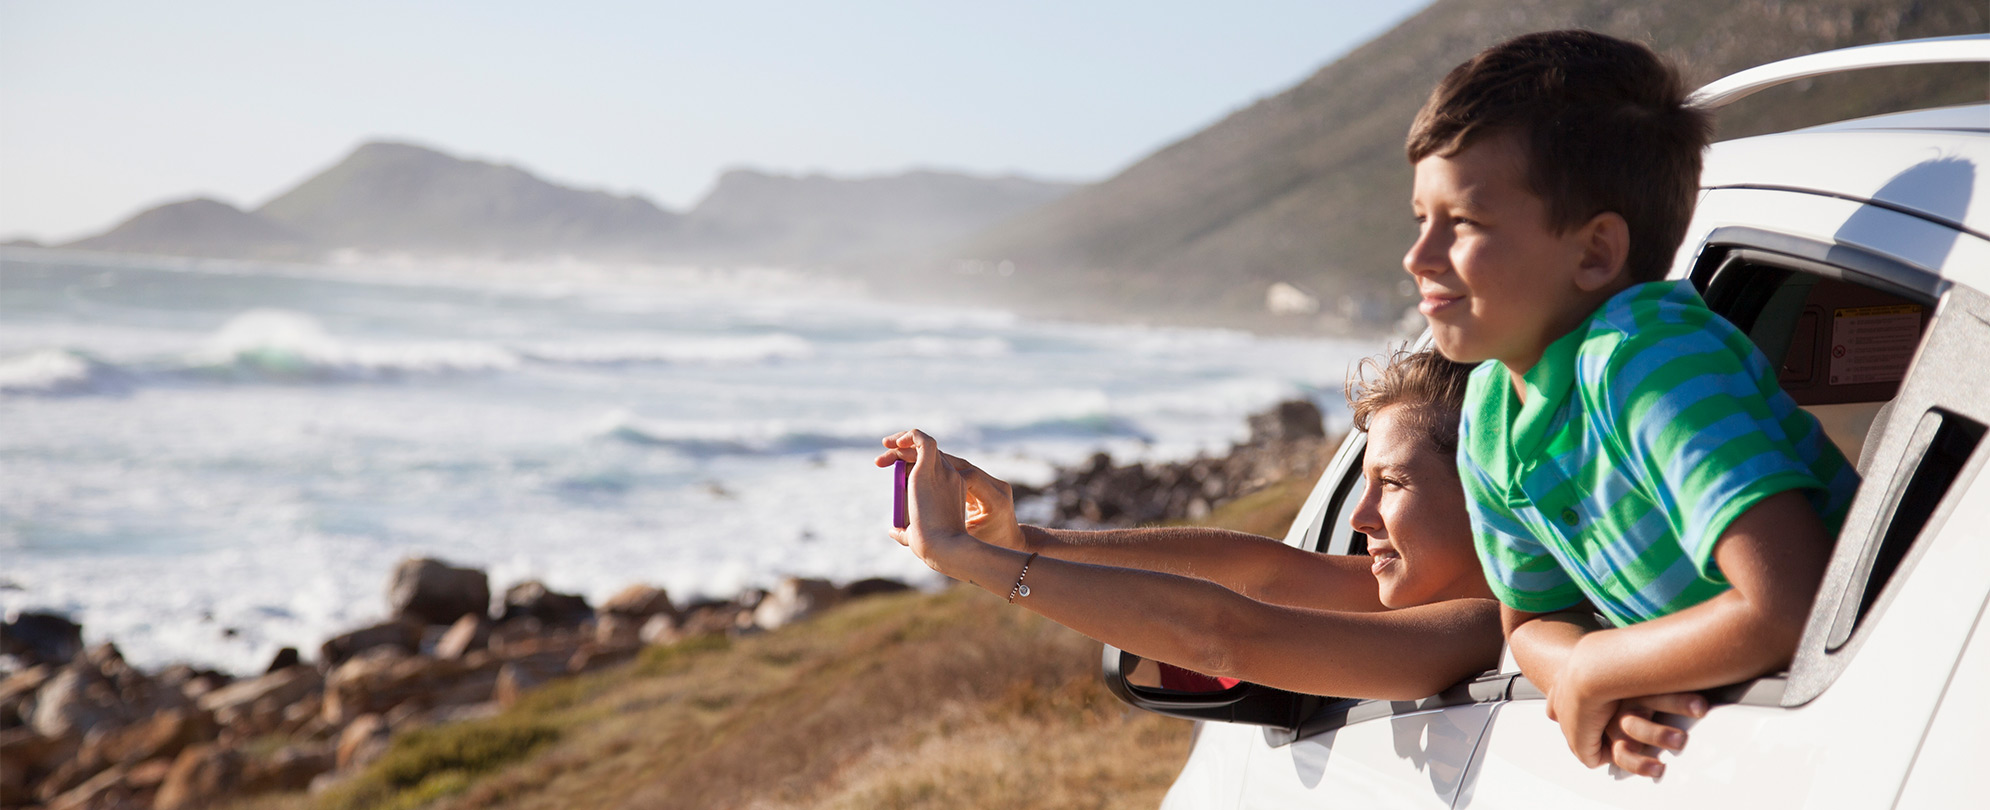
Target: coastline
column 85, row 729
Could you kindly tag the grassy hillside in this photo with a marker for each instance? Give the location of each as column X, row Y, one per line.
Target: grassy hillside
column 1310, row 186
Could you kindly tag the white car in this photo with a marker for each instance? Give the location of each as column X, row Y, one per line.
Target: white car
column 1859, row 254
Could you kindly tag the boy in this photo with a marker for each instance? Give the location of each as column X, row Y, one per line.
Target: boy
column 1624, row 449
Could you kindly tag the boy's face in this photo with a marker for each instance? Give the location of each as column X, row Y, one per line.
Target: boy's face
column 1497, row 282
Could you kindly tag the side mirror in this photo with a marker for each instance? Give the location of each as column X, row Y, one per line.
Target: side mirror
column 1176, row 692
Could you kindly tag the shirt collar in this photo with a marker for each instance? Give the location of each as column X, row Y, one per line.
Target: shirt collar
column 1547, row 385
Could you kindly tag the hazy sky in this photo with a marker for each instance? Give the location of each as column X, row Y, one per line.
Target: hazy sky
column 110, row 107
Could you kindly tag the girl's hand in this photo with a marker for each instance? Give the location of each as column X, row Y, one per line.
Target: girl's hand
column 936, row 497
column 989, row 508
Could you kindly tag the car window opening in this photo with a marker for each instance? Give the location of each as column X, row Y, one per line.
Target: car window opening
column 1841, row 347
column 1939, row 449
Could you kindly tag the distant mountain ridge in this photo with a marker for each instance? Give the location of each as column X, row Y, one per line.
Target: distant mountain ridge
column 399, row 196
column 1310, row 186
column 390, row 196
column 201, row 227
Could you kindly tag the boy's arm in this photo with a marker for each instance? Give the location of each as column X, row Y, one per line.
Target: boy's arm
column 1773, row 554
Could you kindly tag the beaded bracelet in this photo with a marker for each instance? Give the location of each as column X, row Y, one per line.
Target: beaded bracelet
column 1020, row 589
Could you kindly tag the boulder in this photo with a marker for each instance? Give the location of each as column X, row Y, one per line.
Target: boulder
column 284, row 659
column 591, row 657
column 200, row 775
column 189, row 682
column 620, row 630
column 427, row 591
column 291, row 767
column 714, row 618
column 400, row 635
column 150, row 774
column 659, row 630
column 1287, row 421
column 513, row 681
column 533, row 600
column 467, row 635
column 76, row 700
column 105, row 791
column 639, row 602
column 382, row 680
column 164, row 734
column 793, row 600
column 874, row 586
column 362, row 742
column 17, row 694
column 26, row 759
column 251, row 708
column 41, row 638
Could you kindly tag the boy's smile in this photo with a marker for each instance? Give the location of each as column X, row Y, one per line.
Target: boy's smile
column 1497, row 282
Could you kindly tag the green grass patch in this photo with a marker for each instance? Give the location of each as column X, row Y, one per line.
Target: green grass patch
column 427, row 764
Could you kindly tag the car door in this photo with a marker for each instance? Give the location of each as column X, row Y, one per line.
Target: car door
column 1911, row 569
column 1261, row 747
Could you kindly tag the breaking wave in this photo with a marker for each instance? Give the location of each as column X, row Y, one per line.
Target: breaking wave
column 286, row 347
column 705, row 439
column 281, row 346
column 60, row 372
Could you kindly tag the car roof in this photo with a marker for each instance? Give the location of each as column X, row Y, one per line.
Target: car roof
column 1934, row 163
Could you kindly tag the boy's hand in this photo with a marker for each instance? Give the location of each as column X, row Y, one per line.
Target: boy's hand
column 990, row 504
column 1583, row 718
column 1635, row 736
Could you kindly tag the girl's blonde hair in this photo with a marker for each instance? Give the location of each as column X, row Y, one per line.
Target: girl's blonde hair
column 1432, row 387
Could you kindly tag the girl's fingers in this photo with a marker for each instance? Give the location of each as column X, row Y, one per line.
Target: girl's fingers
column 899, row 535
column 889, row 457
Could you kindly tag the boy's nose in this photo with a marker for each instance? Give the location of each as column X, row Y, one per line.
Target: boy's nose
column 1426, row 257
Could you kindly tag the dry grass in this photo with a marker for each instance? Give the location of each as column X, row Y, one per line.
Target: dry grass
column 948, row 700
column 915, row 700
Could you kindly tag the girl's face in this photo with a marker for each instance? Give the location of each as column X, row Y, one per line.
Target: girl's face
column 1413, row 511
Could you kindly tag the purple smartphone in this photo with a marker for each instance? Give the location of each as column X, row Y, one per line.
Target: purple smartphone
column 899, row 517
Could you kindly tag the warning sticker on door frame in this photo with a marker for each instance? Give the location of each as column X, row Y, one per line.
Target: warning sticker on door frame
column 1873, row 344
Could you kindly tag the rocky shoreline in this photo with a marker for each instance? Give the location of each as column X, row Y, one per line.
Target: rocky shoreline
column 82, row 729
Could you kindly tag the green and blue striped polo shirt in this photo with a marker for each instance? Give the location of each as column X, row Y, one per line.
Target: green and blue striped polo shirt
column 1644, row 433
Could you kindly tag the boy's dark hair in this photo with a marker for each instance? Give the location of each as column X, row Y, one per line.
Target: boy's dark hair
column 1604, row 124
column 1432, row 387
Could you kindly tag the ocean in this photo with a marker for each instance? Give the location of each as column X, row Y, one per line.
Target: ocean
column 205, row 461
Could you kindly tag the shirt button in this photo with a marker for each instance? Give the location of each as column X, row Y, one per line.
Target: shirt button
column 1570, row 517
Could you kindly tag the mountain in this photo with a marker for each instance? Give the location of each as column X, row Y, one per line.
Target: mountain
column 398, row 196
column 815, row 218
column 201, row 227
column 1309, row 186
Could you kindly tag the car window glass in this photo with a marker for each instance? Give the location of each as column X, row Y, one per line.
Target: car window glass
column 1338, row 536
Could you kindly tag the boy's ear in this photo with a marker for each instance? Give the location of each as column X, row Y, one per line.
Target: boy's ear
column 1605, row 242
